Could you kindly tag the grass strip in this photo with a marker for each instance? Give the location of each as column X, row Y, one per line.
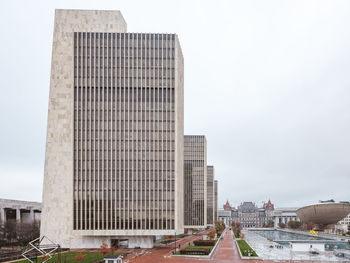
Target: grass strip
column 244, row 248
column 71, row 257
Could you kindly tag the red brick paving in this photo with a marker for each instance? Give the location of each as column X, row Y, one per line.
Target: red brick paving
column 226, row 252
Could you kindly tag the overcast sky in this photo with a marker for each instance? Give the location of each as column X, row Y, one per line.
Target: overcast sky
column 267, row 82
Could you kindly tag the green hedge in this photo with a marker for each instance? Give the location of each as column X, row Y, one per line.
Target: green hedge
column 204, row 242
column 195, row 251
column 244, row 247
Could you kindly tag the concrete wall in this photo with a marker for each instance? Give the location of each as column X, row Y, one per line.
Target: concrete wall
column 57, row 213
column 179, row 135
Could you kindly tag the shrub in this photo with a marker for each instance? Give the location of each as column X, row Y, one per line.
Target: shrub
column 14, row 233
column 270, row 224
column 282, row 225
column 80, row 257
column 27, row 232
column 204, row 242
column 195, row 251
column 294, row 224
column 236, row 227
column 211, row 234
column 310, row 226
column 219, row 226
column 104, row 249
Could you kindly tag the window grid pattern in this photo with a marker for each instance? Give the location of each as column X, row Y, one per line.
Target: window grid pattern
column 195, row 177
column 124, row 131
column 215, row 200
column 210, row 195
column 345, row 221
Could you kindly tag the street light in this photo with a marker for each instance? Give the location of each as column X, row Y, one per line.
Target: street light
column 175, row 242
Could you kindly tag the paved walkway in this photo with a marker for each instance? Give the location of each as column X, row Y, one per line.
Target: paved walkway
column 164, row 254
column 226, row 252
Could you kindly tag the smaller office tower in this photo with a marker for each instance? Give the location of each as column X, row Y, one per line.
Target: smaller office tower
column 210, row 195
column 215, row 200
column 195, row 181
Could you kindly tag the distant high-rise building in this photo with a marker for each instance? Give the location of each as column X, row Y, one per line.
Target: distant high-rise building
column 210, row 195
column 195, row 181
column 114, row 149
column 215, row 200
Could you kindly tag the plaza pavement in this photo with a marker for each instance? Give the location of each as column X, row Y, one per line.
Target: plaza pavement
column 226, row 252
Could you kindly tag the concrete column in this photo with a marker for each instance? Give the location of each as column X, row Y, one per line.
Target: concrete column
column 276, row 221
column 32, row 216
column 2, row 215
column 18, row 215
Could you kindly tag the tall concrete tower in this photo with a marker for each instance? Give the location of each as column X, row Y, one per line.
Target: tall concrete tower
column 210, row 195
column 195, row 181
column 114, row 149
column 215, row 200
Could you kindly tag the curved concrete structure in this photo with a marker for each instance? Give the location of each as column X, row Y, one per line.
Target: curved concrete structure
column 323, row 213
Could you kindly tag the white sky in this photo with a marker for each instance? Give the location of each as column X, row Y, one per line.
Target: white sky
column 268, row 83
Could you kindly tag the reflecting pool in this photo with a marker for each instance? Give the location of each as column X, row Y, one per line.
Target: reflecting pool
column 281, row 235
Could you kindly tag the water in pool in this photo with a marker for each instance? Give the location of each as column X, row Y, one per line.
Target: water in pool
column 282, row 235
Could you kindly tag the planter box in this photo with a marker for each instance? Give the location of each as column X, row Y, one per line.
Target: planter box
column 195, row 251
column 205, row 256
column 240, row 253
column 204, row 242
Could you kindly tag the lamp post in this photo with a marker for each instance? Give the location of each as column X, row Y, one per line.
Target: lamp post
column 175, row 242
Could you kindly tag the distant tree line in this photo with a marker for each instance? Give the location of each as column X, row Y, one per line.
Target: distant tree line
column 13, row 233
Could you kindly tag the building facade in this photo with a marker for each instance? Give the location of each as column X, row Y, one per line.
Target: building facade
column 343, row 225
column 284, row 215
column 345, row 221
column 210, row 196
column 215, row 200
column 225, row 214
column 20, row 211
column 269, row 208
column 195, row 181
column 249, row 215
column 114, row 150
